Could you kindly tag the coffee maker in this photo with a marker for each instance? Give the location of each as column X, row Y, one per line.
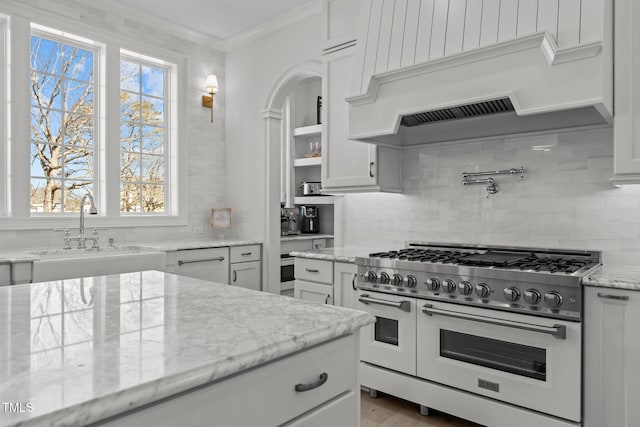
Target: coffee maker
column 310, row 221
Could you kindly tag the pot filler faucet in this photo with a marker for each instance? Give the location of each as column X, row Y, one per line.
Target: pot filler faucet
column 82, row 238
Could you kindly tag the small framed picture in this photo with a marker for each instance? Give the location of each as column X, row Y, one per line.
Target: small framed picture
column 221, row 218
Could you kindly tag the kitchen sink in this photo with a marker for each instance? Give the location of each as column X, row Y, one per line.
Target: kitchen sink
column 58, row 264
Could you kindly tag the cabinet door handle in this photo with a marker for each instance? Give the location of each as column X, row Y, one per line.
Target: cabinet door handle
column 311, row 270
column 220, row 258
column 306, row 387
column 326, row 300
column 371, row 169
column 353, row 281
column 618, row 297
column 235, row 275
column 246, row 253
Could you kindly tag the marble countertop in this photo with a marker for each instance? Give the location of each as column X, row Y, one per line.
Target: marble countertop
column 34, row 254
column 82, row 350
column 295, row 237
column 615, row 276
column 339, row 254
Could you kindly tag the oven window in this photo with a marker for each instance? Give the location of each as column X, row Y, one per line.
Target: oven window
column 286, row 273
column 505, row 356
column 386, row 330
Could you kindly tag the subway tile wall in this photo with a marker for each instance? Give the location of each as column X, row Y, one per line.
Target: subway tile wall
column 565, row 200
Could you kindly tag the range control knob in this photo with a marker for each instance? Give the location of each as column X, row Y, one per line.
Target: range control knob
column 532, row 296
column 553, row 299
column 384, row 278
column 465, row 288
column 432, row 283
column 483, row 290
column 449, row 286
column 371, row 277
column 397, row 280
column 511, row 294
column 411, row 281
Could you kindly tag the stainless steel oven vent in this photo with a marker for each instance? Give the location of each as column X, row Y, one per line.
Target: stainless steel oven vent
column 484, row 108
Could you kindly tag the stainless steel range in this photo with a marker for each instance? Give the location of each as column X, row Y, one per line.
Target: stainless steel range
column 498, row 327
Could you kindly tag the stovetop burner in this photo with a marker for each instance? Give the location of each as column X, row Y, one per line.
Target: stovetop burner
column 490, row 258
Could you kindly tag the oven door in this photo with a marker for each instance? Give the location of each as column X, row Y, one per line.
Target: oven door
column 525, row 360
column 391, row 341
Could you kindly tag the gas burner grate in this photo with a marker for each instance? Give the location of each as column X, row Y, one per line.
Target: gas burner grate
column 551, row 264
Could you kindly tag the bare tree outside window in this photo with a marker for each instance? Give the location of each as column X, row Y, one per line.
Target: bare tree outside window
column 62, row 128
column 142, row 137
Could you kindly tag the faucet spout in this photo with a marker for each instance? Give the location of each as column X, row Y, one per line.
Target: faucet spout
column 92, row 210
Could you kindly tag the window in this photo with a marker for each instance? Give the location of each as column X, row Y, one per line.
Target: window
column 142, row 136
column 62, row 124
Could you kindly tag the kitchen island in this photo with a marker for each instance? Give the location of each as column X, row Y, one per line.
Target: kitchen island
column 155, row 348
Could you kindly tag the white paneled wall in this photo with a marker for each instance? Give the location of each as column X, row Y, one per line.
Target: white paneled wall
column 565, row 201
column 400, row 33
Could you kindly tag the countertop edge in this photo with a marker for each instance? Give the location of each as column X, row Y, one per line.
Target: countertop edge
column 626, row 277
column 323, row 257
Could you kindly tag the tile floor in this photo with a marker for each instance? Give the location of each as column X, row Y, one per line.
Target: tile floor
column 389, row 411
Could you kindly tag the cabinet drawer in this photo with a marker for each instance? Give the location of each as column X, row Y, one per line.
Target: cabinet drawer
column 269, row 391
column 314, row 270
column 5, row 274
column 318, row 244
column 245, row 253
column 295, row 245
column 192, row 256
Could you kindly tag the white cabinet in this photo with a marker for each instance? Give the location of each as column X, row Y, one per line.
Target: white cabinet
column 344, row 285
column 245, row 267
column 5, row 274
column 206, row 264
column 611, row 358
column 626, row 123
column 339, row 22
column 316, row 387
column 246, row 275
column 314, row 280
column 350, row 166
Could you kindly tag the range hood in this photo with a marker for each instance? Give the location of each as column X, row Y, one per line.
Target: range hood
column 422, row 79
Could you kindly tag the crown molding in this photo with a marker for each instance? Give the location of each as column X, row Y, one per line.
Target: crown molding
column 122, row 12
column 296, row 14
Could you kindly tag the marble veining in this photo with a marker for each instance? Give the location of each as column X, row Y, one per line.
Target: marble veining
column 82, row 350
column 296, row 237
column 337, row 254
column 615, row 276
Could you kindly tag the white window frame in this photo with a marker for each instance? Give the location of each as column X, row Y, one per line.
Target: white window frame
column 4, row 117
column 16, row 189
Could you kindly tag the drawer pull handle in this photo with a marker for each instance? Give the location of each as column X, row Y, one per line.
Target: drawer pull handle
column 618, row 297
column 311, row 270
column 306, row 387
column 220, row 258
column 235, row 276
column 326, row 300
column 353, row 281
column 246, row 253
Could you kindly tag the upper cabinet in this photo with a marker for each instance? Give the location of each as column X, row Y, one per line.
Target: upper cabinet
column 348, row 166
column 626, row 125
column 440, row 70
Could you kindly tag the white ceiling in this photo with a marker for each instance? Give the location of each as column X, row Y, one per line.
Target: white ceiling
column 218, row 18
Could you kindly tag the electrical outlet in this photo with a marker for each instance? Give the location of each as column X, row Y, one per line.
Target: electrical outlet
column 197, row 229
column 244, row 216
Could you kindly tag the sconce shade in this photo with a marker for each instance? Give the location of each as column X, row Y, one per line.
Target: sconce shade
column 212, row 83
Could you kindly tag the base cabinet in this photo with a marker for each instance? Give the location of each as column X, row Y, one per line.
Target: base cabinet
column 246, row 275
column 270, row 395
column 316, row 292
column 344, row 285
column 206, row 264
column 611, row 358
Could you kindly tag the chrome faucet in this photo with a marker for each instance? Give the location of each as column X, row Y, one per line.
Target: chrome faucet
column 92, row 211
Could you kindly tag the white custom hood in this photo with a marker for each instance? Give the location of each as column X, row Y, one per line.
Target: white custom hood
column 441, row 70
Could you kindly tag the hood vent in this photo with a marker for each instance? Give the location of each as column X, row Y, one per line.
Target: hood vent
column 485, row 108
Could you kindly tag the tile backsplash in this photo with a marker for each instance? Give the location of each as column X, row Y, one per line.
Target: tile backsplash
column 565, row 200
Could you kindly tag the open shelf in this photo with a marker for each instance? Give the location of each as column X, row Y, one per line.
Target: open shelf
column 307, row 161
column 307, row 130
column 313, row 200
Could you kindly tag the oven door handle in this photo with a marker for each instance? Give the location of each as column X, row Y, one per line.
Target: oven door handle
column 558, row 331
column 402, row 305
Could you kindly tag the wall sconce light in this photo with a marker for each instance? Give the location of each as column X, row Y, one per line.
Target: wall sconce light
column 211, row 87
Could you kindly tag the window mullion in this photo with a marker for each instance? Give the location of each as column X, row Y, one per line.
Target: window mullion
column 110, row 124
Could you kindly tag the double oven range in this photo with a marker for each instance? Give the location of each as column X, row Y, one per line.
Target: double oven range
column 487, row 333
